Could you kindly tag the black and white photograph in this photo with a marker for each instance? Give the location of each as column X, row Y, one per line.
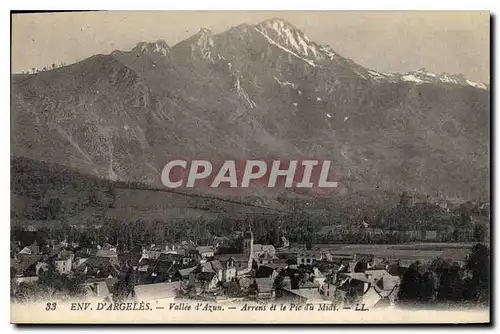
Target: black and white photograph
column 250, row 167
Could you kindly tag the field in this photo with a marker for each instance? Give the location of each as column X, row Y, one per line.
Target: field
column 404, row 252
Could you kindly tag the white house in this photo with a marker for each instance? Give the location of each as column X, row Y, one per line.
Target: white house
column 63, row 262
column 206, row 251
column 259, row 250
column 229, row 272
column 307, row 257
column 153, row 252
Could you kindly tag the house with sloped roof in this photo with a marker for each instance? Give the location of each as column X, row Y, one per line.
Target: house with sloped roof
column 350, row 286
column 25, row 265
column 238, row 261
column 146, row 265
column 265, row 271
column 165, row 271
column 208, row 281
column 53, row 252
column 99, row 289
column 229, row 270
column 107, row 250
column 86, row 252
column 153, row 251
column 368, row 287
column 265, row 258
column 183, row 274
column 357, row 266
column 259, row 249
column 177, row 258
column 326, row 267
column 265, row 287
column 63, row 262
column 308, row 257
column 221, row 241
column 98, row 267
column 277, row 264
column 208, row 274
column 206, row 251
column 170, row 257
column 32, row 249
column 382, row 291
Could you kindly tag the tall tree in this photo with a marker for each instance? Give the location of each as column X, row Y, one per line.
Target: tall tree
column 478, row 264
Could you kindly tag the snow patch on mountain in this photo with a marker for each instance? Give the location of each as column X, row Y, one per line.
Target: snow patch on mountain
column 203, row 44
column 425, row 73
column 412, row 78
column 328, row 52
column 377, row 75
column 111, row 172
column 422, row 76
column 285, row 83
column 74, row 143
column 447, row 79
column 270, row 40
column 289, row 37
column 479, row 85
column 160, row 47
column 242, row 94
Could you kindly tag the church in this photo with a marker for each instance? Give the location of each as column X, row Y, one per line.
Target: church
column 251, row 253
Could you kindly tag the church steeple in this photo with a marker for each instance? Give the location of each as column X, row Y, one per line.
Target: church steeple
column 248, row 232
column 248, row 245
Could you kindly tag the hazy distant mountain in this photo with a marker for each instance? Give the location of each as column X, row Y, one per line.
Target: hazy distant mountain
column 263, row 90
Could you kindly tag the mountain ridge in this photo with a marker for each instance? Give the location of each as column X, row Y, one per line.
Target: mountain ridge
column 283, row 27
column 239, row 94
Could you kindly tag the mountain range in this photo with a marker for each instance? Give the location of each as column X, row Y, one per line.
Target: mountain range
column 264, row 90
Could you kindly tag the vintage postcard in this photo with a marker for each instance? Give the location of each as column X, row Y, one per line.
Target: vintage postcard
column 318, row 167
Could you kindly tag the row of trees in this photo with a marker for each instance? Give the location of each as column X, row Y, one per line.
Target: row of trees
column 299, row 226
column 55, row 200
column 131, row 234
column 49, row 284
column 45, row 68
column 446, row 282
column 474, row 233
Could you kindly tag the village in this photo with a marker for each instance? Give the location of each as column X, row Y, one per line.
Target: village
column 191, row 272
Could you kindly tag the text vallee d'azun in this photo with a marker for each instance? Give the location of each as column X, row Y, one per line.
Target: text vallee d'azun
column 242, row 173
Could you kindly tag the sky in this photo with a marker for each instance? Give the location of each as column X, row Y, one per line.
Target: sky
column 453, row 42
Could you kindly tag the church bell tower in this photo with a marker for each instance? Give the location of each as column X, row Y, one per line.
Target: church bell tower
column 248, row 245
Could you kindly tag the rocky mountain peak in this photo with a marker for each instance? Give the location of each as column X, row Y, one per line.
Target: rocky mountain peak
column 255, row 90
column 159, row 46
column 421, row 76
column 199, row 44
column 286, row 35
